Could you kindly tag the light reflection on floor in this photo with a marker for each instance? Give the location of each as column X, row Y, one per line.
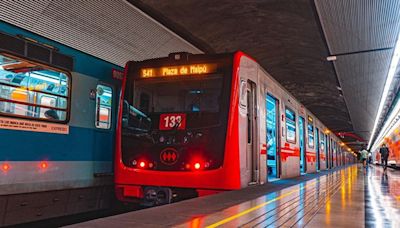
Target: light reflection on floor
column 327, row 201
column 383, row 191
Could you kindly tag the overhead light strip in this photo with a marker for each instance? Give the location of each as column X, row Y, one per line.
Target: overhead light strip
column 388, row 83
column 388, row 126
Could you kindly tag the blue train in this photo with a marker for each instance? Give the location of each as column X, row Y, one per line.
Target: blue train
column 57, row 127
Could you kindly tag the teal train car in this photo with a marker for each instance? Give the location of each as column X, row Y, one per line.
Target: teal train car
column 57, row 128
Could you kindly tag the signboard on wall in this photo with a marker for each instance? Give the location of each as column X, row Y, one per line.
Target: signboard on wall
column 117, row 74
column 36, row 126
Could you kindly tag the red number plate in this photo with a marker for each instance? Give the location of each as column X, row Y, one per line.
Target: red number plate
column 172, row 121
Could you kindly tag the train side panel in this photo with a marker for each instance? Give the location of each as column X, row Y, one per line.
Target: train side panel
column 55, row 174
column 288, row 150
column 322, row 145
column 252, row 159
column 311, row 156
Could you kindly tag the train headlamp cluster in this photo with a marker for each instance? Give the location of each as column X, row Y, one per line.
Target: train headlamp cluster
column 142, row 164
column 197, row 165
column 194, row 165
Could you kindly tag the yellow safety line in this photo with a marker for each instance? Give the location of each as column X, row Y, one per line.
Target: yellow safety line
column 256, row 207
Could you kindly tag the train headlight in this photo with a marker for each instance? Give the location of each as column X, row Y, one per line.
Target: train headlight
column 197, row 165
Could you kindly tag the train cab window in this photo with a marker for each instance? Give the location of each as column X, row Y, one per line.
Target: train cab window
column 144, row 102
column 290, row 125
column 189, row 95
column 32, row 90
column 310, row 131
column 103, row 106
column 243, row 94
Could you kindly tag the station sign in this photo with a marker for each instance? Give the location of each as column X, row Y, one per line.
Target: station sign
column 183, row 70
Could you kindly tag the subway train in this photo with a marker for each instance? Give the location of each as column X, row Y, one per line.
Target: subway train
column 186, row 125
column 57, row 125
column 201, row 124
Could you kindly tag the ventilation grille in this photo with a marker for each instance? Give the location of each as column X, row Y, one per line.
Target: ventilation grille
column 20, row 47
column 111, row 30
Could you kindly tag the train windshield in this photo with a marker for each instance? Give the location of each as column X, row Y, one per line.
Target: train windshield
column 183, row 108
column 159, row 96
column 195, row 101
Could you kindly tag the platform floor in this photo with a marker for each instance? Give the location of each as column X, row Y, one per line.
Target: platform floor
column 346, row 197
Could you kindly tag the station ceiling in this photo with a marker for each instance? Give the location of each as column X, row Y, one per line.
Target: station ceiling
column 292, row 40
column 114, row 31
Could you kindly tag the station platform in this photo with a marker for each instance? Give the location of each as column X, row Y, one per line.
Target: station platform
column 342, row 197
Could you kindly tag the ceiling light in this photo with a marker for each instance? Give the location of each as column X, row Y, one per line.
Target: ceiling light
column 389, row 125
column 331, row 58
column 389, row 79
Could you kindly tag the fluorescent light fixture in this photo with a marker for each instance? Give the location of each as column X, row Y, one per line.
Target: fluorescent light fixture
column 331, row 58
column 388, row 83
column 389, row 125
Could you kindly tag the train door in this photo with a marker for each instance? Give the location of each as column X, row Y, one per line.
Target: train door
column 272, row 120
column 337, row 154
column 252, row 155
column 302, row 145
column 331, row 152
column 103, row 135
column 317, row 148
column 326, row 152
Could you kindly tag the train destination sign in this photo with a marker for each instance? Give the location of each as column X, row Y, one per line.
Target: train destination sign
column 194, row 69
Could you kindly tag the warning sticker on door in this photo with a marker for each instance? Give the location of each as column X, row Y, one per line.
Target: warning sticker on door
column 36, row 126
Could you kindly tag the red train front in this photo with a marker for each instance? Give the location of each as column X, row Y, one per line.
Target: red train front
column 198, row 124
column 174, row 128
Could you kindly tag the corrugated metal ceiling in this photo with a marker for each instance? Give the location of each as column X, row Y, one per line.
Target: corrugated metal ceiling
column 359, row 33
column 284, row 36
column 114, row 30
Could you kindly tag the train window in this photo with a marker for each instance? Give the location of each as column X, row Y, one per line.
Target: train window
column 249, row 117
column 310, row 129
column 290, row 125
column 32, row 90
column 103, row 106
column 243, row 93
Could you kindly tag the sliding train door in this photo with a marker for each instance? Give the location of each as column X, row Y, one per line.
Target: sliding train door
column 272, row 121
column 327, row 151
column 252, row 155
column 317, row 148
column 302, row 145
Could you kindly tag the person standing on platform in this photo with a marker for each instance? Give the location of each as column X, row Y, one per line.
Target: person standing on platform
column 364, row 157
column 384, row 151
column 369, row 157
